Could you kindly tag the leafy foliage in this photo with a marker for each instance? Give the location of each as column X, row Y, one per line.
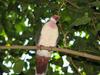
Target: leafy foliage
column 79, row 27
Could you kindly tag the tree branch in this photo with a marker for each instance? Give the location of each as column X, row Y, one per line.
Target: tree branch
column 67, row 51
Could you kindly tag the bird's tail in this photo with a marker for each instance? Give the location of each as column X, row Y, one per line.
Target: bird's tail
column 41, row 64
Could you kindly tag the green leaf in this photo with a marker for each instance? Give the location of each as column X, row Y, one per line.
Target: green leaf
column 56, row 55
column 83, row 73
column 98, row 27
column 82, row 20
column 96, row 3
column 1, row 28
column 18, row 67
column 2, row 33
column 20, row 27
column 4, row 68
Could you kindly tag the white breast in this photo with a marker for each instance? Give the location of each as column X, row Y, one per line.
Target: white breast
column 48, row 36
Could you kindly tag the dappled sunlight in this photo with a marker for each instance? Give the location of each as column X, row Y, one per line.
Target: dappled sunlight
column 65, row 62
column 25, row 57
column 98, row 42
column 44, row 20
column 3, row 33
column 20, row 33
column 71, row 42
column 10, row 64
column 30, row 38
column 30, row 8
column 59, row 68
column 6, row 38
column 69, row 70
column 32, row 52
column 9, row 16
column 20, row 8
column 53, row 67
column 13, row 39
column 80, row 69
column 26, row 42
column 79, row 31
column 81, row 34
column 99, row 74
column 56, row 68
column 7, row 64
column 26, row 22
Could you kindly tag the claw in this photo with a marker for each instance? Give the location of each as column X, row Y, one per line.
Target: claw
column 39, row 47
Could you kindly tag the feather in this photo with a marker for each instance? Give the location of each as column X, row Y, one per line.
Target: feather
column 48, row 37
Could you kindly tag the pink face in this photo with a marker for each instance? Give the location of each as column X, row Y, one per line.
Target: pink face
column 56, row 17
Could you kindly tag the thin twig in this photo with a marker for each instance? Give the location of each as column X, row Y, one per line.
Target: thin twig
column 63, row 3
column 67, row 51
column 93, row 22
column 96, row 13
column 72, row 4
column 64, row 35
column 75, row 67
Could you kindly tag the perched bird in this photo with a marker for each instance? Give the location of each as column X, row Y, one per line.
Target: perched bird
column 48, row 37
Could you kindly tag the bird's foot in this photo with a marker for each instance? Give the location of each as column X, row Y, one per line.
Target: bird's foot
column 39, row 47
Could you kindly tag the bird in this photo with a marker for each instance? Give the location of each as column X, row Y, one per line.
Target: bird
column 48, row 38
